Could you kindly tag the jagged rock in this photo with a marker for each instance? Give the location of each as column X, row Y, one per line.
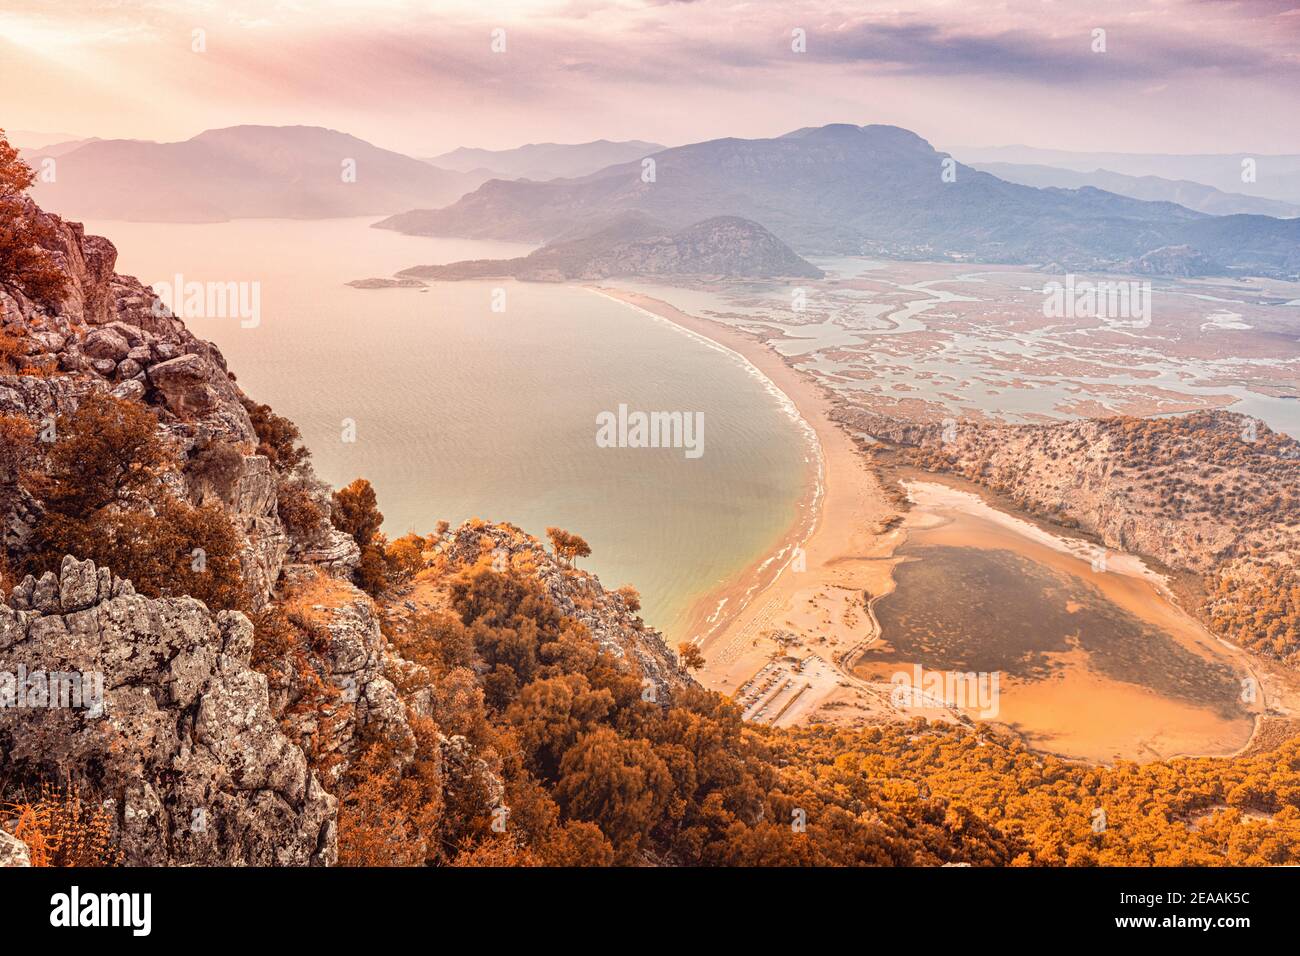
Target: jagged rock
column 78, row 584
column 110, row 326
column 13, row 851
column 132, row 390
column 355, row 664
column 338, row 551
column 45, row 595
column 179, row 738
column 128, row 368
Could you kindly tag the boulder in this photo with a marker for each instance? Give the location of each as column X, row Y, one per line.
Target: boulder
column 184, row 385
column 78, row 584
column 106, row 343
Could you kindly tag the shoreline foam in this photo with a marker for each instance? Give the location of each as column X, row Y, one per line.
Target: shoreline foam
column 725, row 602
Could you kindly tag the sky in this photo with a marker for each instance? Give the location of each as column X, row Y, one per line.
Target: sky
column 1177, row 76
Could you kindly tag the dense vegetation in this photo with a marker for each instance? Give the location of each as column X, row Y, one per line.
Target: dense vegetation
column 100, row 484
column 595, row 774
column 24, row 261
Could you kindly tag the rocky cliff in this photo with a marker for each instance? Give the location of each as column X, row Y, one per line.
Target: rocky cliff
column 216, row 739
column 182, row 744
column 108, row 332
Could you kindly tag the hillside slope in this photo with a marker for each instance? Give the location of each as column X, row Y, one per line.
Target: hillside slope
column 1212, row 493
column 636, row 246
column 542, row 161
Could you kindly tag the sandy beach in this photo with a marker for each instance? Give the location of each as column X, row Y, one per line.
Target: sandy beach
column 785, row 638
column 813, row 610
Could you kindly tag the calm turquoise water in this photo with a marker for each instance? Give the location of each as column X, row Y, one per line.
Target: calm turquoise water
column 464, row 412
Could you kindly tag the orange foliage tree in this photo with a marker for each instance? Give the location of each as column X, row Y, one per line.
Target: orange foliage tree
column 24, row 262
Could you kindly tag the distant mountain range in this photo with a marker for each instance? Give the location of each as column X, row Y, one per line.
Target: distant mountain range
column 33, row 139
column 1196, row 196
column 634, row 244
column 1275, row 176
column 239, row 172
column 839, row 189
column 59, row 148
column 876, row 190
column 543, row 161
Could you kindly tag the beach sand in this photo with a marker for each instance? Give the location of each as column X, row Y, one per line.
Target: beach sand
column 842, row 512
column 784, row 638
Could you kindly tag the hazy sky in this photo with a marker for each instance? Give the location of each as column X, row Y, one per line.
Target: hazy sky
column 1177, row 75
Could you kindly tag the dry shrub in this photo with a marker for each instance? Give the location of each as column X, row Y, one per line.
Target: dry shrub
column 392, row 816
column 298, row 510
column 13, row 353
column 62, row 829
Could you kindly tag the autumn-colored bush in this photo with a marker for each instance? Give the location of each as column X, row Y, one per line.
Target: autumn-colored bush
column 16, row 449
column 277, row 437
column 104, row 500
column 295, row 502
column 24, row 263
column 13, row 353
column 568, row 546
column 356, row 511
column 690, row 655
column 62, row 829
column 177, row 549
column 631, row 597
column 388, row 818
column 106, row 452
column 405, row 558
column 216, row 464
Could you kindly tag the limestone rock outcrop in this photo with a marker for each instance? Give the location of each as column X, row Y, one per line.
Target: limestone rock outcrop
column 153, row 706
column 581, row 596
